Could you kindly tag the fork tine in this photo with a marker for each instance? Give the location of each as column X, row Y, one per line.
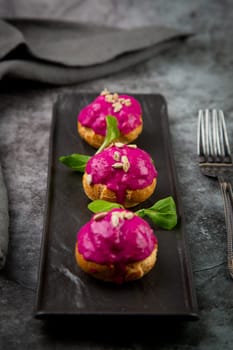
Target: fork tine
column 226, row 145
column 216, row 144
column 212, row 139
column 221, row 140
column 199, row 133
column 207, row 134
column 210, row 134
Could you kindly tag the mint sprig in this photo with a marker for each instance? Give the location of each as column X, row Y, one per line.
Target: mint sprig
column 100, row 205
column 112, row 132
column 78, row 161
column 75, row 161
column 162, row 213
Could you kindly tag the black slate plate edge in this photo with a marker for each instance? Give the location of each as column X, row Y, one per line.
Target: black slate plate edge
column 44, row 241
column 184, row 255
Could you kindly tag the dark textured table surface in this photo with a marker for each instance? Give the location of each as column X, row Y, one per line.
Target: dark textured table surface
column 195, row 74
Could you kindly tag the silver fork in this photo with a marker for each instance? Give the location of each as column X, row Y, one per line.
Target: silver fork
column 215, row 160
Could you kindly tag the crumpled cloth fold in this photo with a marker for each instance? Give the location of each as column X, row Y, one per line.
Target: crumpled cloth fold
column 64, row 53
column 4, row 221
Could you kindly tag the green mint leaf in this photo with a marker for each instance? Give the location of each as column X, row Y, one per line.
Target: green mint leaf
column 112, row 132
column 166, row 221
column 165, row 204
column 75, row 161
column 100, row 205
column 141, row 213
column 162, row 213
column 78, row 162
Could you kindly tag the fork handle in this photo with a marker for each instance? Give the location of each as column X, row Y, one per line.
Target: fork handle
column 227, row 194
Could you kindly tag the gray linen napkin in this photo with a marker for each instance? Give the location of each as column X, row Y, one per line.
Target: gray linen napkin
column 4, row 221
column 63, row 53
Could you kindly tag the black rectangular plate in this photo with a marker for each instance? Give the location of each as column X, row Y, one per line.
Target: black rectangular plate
column 63, row 289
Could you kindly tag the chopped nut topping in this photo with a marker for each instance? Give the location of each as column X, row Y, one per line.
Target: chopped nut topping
column 127, row 102
column 126, row 167
column 89, row 179
column 119, row 144
column 116, row 155
column 109, row 98
column 115, row 96
column 117, row 165
column 128, row 215
column 105, row 92
column 99, row 216
column 124, row 159
column 116, row 101
column 121, row 215
column 117, row 106
column 110, row 145
column 126, row 164
column 132, row 145
column 115, row 219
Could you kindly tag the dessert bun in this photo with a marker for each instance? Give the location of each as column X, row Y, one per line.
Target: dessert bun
column 116, row 246
column 120, row 173
column 91, row 121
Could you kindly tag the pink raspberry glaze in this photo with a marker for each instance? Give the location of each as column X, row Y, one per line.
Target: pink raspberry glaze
column 140, row 174
column 93, row 116
column 102, row 242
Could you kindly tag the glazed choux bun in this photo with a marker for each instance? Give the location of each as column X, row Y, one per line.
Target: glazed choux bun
column 120, row 173
column 91, row 121
column 116, row 246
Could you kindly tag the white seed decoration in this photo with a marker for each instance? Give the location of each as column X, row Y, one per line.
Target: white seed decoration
column 119, row 144
column 110, row 145
column 117, row 165
column 126, row 164
column 128, row 215
column 117, row 106
column 116, row 155
column 115, row 219
column 105, row 92
column 132, row 145
column 89, row 179
column 115, row 96
column 124, row 159
column 124, row 101
column 99, row 216
column 117, row 102
column 109, row 98
column 126, row 167
column 127, row 102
